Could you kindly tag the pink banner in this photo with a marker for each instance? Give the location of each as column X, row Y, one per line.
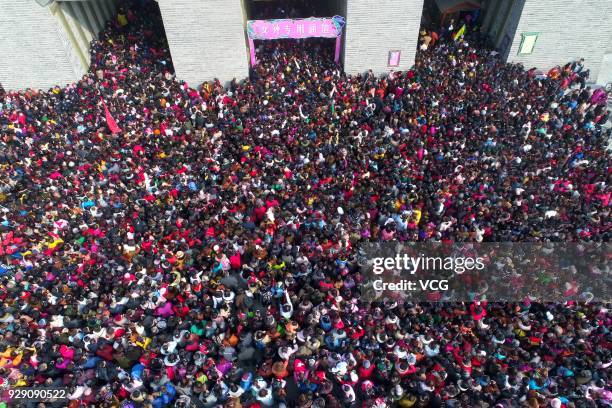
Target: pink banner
column 295, row 28
column 252, row 52
column 338, row 49
column 394, row 58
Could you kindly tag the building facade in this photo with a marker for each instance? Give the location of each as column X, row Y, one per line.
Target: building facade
column 43, row 45
column 376, row 29
column 206, row 39
column 546, row 33
column 46, row 42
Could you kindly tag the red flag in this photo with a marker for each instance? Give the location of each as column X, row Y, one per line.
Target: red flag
column 110, row 122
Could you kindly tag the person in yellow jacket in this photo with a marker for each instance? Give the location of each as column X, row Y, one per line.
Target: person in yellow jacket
column 55, row 243
column 407, row 401
column 122, row 18
column 140, row 341
column 5, row 356
column 144, row 343
column 11, row 357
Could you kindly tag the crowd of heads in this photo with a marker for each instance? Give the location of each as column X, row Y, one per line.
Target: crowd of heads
column 205, row 255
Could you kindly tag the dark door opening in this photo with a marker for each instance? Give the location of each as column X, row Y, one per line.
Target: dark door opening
column 438, row 14
column 297, row 27
column 270, row 9
column 279, row 55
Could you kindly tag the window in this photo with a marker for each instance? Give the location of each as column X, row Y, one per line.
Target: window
column 528, row 42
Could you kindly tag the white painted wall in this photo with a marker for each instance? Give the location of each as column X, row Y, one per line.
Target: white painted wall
column 46, row 46
column 568, row 30
column 206, row 39
column 373, row 28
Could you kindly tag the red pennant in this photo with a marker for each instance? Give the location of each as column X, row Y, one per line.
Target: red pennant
column 110, row 122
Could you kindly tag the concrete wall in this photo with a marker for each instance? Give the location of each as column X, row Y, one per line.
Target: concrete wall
column 206, row 39
column 34, row 50
column 507, row 29
column 605, row 72
column 568, row 30
column 46, row 46
column 373, row 28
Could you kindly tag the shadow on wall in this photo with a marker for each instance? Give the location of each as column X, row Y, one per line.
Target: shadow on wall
column 85, row 20
column 92, row 15
column 82, row 21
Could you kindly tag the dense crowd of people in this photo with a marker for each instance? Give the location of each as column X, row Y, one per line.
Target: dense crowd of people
column 205, row 255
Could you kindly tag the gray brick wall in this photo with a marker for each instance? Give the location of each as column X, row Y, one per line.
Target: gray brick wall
column 568, row 30
column 33, row 52
column 206, row 39
column 605, row 71
column 373, row 28
column 37, row 50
